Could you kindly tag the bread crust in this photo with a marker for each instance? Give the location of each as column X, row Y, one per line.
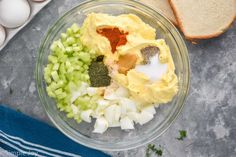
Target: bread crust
column 180, row 24
column 160, row 11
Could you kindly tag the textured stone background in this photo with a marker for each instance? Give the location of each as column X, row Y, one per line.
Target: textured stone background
column 210, row 112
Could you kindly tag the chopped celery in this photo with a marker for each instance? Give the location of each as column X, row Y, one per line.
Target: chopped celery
column 62, row 69
column 69, row 32
column 53, row 46
column 66, row 71
column 80, row 63
column 60, row 45
column 63, row 36
column 75, row 28
column 78, row 120
column 61, row 95
column 55, row 66
column 55, row 76
column 70, row 40
column 77, row 48
column 84, row 57
column 58, row 91
column 52, row 59
column 70, row 69
column 47, row 79
column 63, row 58
column 70, row 115
column 69, row 49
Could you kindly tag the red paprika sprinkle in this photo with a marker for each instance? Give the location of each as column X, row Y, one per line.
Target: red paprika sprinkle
column 115, row 36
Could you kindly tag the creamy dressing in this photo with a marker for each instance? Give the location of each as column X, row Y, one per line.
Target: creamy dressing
column 155, row 70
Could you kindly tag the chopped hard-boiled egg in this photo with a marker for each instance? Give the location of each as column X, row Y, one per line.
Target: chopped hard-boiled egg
column 144, row 117
column 85, row 115
column 127, row 105
column 112, row 114
column 103, row 103
column 101, row 125
column 116, row 109
column 134, row 116
column 75, row 109
column 101, row 106
column 150, row 109
column 92, row 91
column 81, row 91
column 115, row 94
column 111, row 96
column 126, row 123
column 122, row 92
column 114, row 124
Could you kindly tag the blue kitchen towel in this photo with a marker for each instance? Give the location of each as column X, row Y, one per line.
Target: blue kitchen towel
column 24, row 136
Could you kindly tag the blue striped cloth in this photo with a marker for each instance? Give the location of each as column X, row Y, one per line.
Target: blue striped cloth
column 21, row 135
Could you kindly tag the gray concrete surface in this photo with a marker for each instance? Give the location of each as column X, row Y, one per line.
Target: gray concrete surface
column 209, row 115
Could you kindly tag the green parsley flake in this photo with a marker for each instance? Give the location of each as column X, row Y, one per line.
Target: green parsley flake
column 151, row 148
column 182, row 135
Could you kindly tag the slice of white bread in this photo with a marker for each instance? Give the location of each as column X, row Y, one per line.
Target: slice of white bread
column 203, row 19
column 163, row 6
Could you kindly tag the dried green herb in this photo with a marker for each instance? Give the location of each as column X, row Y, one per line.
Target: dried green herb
column 152, row 149
column 100, row 58
column 98, row 73
column 182, row 135
column 148, row 53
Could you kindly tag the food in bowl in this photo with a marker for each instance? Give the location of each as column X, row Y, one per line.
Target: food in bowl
column 112, row 69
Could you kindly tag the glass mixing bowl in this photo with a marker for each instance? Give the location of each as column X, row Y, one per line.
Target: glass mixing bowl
column 115, row 139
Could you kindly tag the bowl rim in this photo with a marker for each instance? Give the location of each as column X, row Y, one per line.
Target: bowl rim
column 63, row 128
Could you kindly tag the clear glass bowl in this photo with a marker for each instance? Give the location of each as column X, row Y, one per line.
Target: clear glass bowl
column 114, row 139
